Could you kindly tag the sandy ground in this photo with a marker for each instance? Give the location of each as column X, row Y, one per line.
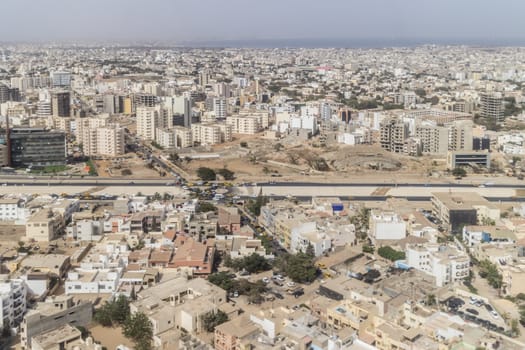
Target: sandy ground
column 113, row 168
column 109, row 337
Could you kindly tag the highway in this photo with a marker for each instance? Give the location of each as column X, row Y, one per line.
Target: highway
column 300, row 190
column 28, row 180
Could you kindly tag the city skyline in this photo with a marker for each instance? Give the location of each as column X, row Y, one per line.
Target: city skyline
column 210, row 23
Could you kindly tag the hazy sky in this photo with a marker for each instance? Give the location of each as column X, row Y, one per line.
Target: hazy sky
column 190, row 20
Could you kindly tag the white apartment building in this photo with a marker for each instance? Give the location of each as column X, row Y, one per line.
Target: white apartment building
column 304, row 122
column 13, row 305
column 103, row 141
column 220, row 107
column 78, row 125
column 93, row 281
column 226, row 132
column 165, row 138
column 12, row 209
column 446, row 263
column 386, row 226
column 308, row 234
column 206, row 134
column 357, row 137
column 248, row 125
column 149, row 119
column 183, row 137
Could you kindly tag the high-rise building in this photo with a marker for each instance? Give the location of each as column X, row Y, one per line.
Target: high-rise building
column 219, row 107
column 9, row 94
column 393, row 133
column 43, row 108
column 37, row 147
column 491, row 106
column 434, row 139
column 183, row 137
column 105, row 141
column 204, row 78
column 187, row 112
column 206, row 134
column 325, row 110
column 148, row 120
column 147, row 100
column 61, row 79
column 60, row 103
column 460, row 136
column 13, row 304
column 345, row 115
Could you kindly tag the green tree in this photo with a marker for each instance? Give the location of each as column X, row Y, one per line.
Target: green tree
column 255, row 206
column 212, row 319
column 253, row 263
column 226, row 173
column 223, row 280
column 205, row 207
column 368, row 249
column 490, row 271
column 299, row 267
column 138, row 328
column 206, row 174
column 459, row 172
column 113, row 312
column 390, row 253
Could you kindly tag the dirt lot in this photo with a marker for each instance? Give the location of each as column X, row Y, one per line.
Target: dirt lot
column 291, row 159
column 114, row 167
column 110, row 337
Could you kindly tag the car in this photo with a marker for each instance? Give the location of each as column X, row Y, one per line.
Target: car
column 494, row 314
column 236, row 294
column 298, row 293
column 291, row 284
column 472, row 311
column 278, row 295
column 278, row 283
column 266, row 280
column 488, row 307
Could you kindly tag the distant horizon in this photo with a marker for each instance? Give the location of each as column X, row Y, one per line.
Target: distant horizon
column 266, row 43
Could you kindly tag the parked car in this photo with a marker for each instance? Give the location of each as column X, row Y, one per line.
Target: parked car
column 472, row 311
column 278, row 295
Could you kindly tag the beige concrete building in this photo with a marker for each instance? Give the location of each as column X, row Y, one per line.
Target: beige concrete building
column 55, row 312
column 43, row 225
column 103, row 141
column 165, row 138
column 460, row 136
column 229, row 335
column 393, row 134
column 434, row 139
column 148, row 120
column 206, row 134
column 248, row 124
column 226, row 132
column 183, row 137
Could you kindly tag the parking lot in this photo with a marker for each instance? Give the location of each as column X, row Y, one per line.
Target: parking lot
column 278, row 294
column 476, row 311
